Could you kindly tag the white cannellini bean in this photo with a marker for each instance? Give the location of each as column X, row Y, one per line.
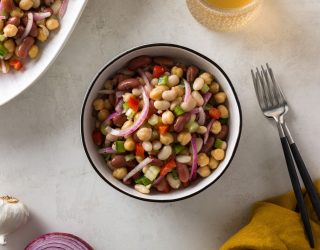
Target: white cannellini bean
column 198, row 83
column 174, row 183
column 156, row 145
column 198, row 98
column 188, row 106
column 147, row 146
column 169, row 95
column 183, row 158
column 136, row 92
column 173, row 80
column 161, row 105
column 165, row 153
column 142, row 189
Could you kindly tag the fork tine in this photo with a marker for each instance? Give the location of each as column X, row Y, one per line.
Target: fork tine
column 255, row 80
column 262, row 87
column 279, row 94
column 270, row 88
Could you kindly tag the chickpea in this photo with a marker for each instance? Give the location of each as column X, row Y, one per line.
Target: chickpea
column 177, row 71
column 216, row 127
column 26, row 4
column 17, row 12
column 166, row 138
column 1, row 24
column 129, row 144
column 179, row 90
column 188, row 106
column 169, row 95
column 214, row 87
column 119, row 173
column 203, row 160
column 144, row 134
column 161, row 105
column 43, row 33
column 224, row 111
column 167, row 117
column 165, row 153
column 202, row 130
column 184, row 138
column 154, row 81
column 204, row 172
column 198, row 83
column 142, row 189
column 136, row 92
column 218, row 154
column 98, row 104
column 147, row 146
column 9, row 45
column 173, row 80
column 52, row 23
column 107, row 104
column 103, row 114
column 10, row 30
column 156, row 93
column 207, row 77
column 156, row 145
column 33, row 52
column 198, row 98
column 127, row 124
column 220, row 97
column 213, row 163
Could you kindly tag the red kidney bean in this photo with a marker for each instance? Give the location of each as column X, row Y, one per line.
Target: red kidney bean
column 183, row 172
column 128, row 84
column 136, row 175
column 119, row 120
column 223, row 133
column 136, row 138
column 20, row 32
column 185, row 184
column 14, row 20
column 156, row 162
column 163, row 186
column 118, row 161
column 25, row 46
column 34, row 30
column 139, row 62
column 164, row 61
column 180, row 122
column 119, row 78
column 131, row 164
column 208, row 145
column 192, row 73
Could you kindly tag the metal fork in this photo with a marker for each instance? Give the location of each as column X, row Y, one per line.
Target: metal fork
column 274, row 105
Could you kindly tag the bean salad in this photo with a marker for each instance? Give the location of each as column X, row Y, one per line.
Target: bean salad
column 23, row 25
column 161, row 124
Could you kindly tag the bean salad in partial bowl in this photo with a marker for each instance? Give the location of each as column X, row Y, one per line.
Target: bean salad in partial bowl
column 161, row 122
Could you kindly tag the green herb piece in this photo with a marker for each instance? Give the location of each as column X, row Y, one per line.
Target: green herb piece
column 208, row 107
column 163, row 80
column 192, row 126
column 223, row 120
column 175, row 174
column 178, row 148
column 143, row 180
column 205, row 89
column 218, row 143
column 178, row 111
column 3, row 50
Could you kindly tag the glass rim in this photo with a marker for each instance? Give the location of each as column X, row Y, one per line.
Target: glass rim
column 245, row 8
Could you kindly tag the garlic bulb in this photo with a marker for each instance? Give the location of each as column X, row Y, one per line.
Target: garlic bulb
column 13, row 214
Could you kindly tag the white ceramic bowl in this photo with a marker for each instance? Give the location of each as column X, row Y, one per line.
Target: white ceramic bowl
column 184, row 55
column 13, row 83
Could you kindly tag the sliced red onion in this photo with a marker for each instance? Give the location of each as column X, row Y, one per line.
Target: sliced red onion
column 106, row 92
column 119, row 96
column 140, row 166
column 110, row 117
column 194, row 111
column 4, row 67
column 107, row 150
column 143, row 115
column 27, row 29
column 206, row 135
column 206, row 98
column 202, row 116
column 146, row 80
column 63, row 8
column 58, row 241
column 157, row 180
column 119, row 108
column 38, row 16
column 194, row 157
column 187, row 91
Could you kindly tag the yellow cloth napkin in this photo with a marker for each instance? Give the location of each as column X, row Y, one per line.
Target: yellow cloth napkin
column 275, row 225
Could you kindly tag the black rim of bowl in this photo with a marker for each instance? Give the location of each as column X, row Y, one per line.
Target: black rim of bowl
column 147, row 46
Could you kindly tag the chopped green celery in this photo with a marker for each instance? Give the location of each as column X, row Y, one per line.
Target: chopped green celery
column 205, row 89
column 120, row 146
column 143, row 180
column 3, row 50
column 2, row 37
column 192, row 126
column 175, row 174
column 130, row 157
column 218, row 143
column 153, row 120
column 130, row 114
column 223, row 120
column 208, row 107
column 178, row 148
column 163, row 80
column 103, row 129
column 125, row 106
column 152, row 172
column 178, row 111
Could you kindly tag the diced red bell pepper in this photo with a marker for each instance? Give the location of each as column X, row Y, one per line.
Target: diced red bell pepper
column 158, row 71
column 171, row 164
column 133, row 103
column 163, row 128
column 214, row 113
column 97, row 137
column 16, row 64
column 139, row 150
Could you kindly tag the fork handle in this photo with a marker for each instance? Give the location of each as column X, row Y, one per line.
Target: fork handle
column 296, row 186
column 312, row 192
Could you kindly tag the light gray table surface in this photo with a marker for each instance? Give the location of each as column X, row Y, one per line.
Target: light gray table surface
column 43, row 162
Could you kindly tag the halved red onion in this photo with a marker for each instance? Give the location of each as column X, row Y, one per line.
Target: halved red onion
column 202, row 116
column 63, row 8
column 194, row 157
column 107, row 150
column 4, row 67
column 206, row 98
column 106, row 91
column 187, row 91
column 206, row 135
column 143, row 115
column 140, row 166
column 146, row 80
column 27, row 29
column 58, row 241
column 38, row 16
